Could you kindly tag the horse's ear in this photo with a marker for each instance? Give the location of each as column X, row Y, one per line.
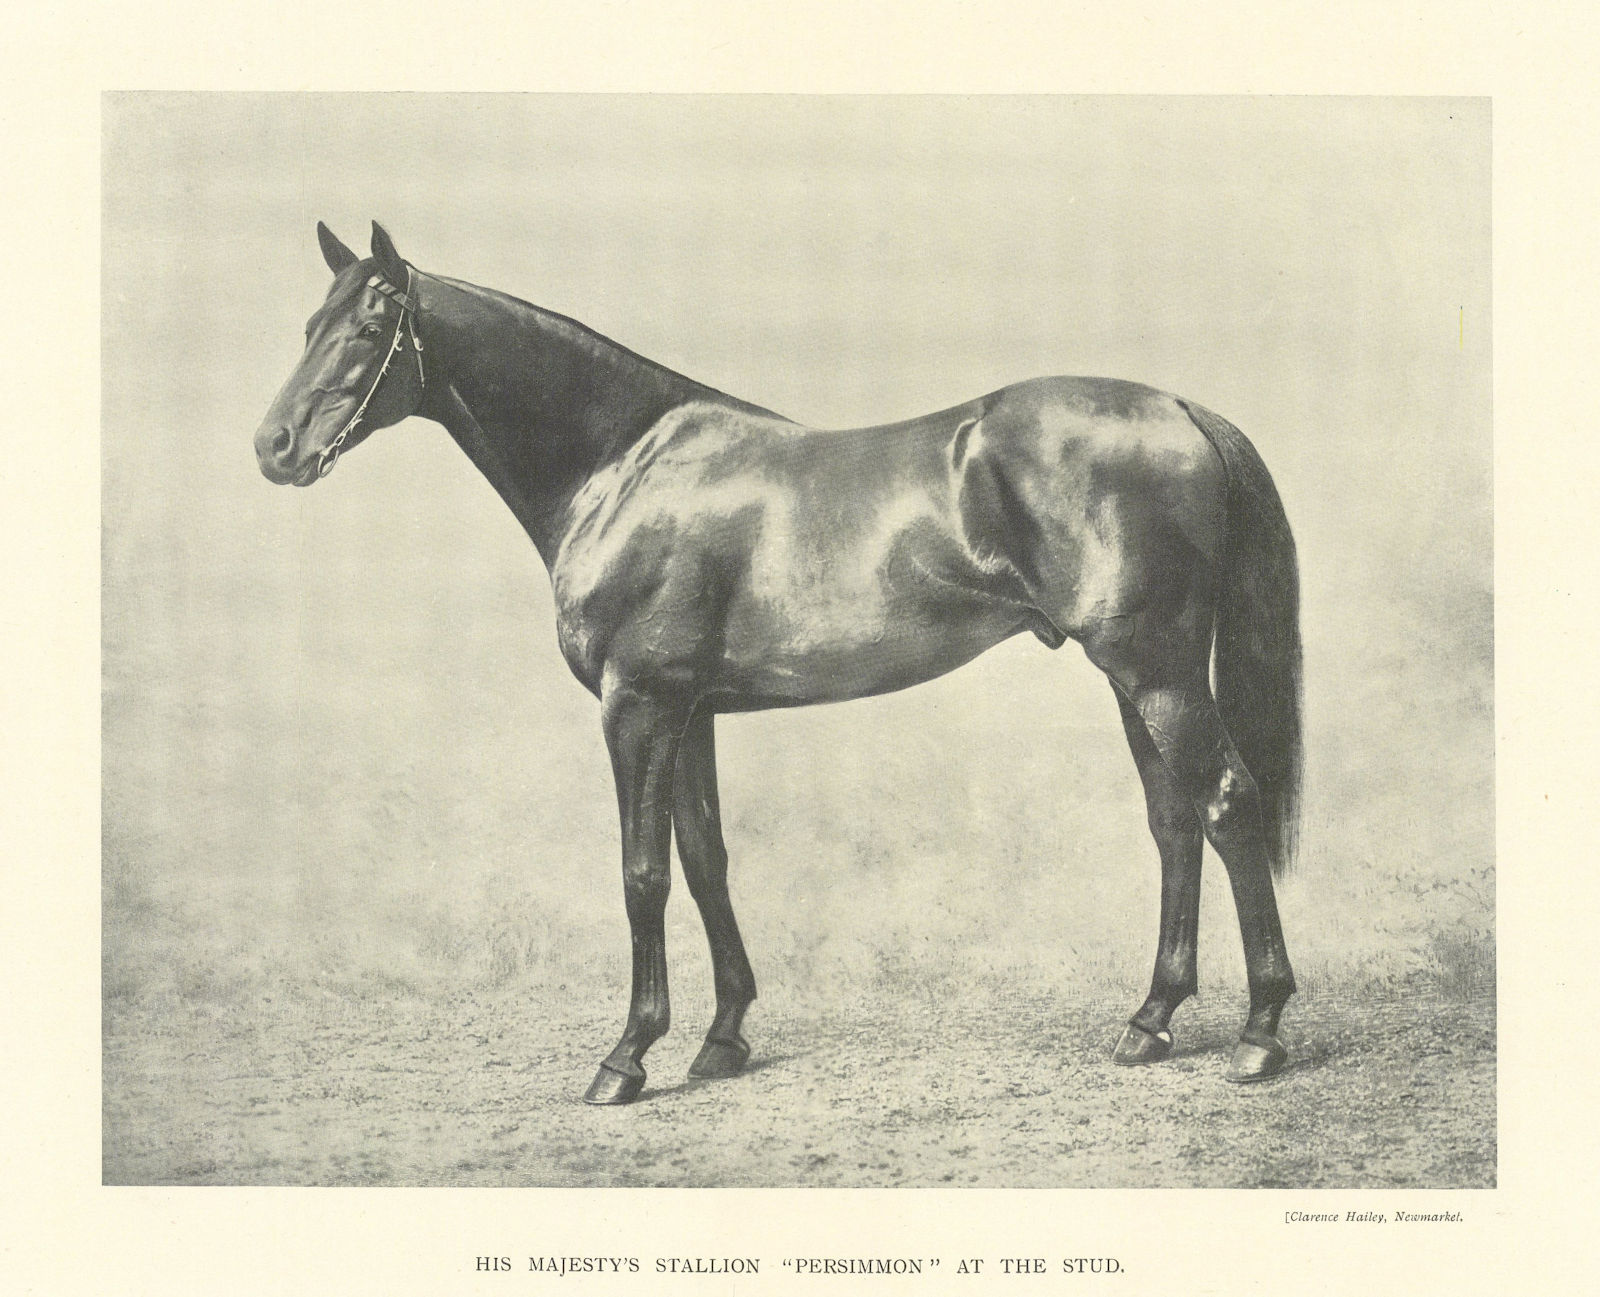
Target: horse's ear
column 333, row 252
column 389, row 261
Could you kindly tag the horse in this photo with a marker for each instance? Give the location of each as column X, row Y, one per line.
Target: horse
column 708, row 556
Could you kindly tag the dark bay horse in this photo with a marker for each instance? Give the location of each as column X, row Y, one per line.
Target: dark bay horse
column 709, row 556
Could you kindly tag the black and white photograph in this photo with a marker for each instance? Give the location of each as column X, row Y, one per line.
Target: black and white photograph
column 755, row 649
column 798, row 641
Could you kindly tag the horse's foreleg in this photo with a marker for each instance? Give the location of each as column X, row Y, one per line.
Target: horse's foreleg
column 698, row 821
column 642, row 735
column 1176, row 829
column 1183, row 723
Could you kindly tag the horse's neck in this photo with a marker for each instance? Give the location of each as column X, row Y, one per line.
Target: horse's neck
column 538, row 402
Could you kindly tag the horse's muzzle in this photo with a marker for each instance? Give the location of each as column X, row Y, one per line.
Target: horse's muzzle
column 276, row 453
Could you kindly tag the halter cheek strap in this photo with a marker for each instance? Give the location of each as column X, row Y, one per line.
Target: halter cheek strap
column 407, row 323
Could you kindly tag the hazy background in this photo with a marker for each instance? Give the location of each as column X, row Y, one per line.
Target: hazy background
column 341, row 752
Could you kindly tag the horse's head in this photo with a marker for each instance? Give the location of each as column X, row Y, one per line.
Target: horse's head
column 362, row 369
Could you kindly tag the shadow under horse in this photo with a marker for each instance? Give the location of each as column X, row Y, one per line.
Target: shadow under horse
column 707, row 556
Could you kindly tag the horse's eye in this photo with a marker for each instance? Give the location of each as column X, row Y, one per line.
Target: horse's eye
column 371, row 329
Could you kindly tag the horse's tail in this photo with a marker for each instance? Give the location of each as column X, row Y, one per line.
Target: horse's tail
column 1256, row 661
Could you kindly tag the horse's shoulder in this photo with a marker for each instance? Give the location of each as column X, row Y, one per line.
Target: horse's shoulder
column 688, row 447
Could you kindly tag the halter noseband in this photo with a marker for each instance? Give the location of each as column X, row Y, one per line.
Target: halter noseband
column 406, row 323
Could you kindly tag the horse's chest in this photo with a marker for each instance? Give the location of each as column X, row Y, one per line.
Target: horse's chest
column 592, row 602
column 642, row 588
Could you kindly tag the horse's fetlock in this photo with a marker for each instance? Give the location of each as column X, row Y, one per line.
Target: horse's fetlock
column 648, row 1024
column 1272, row 986
column 1175, row 985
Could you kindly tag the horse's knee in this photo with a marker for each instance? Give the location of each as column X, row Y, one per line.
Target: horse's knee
column 645, row 887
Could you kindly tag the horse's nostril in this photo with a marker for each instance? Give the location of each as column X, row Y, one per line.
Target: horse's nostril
column 282, row 442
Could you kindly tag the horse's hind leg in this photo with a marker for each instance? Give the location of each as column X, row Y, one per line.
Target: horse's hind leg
column 1176, row 829
column 1178, row 711
column 698, row 822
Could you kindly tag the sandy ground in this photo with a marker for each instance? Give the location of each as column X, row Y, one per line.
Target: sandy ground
column 901, row 1089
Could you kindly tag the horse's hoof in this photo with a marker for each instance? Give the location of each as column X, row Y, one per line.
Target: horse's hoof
column 720, row 1058
column 611, row 1086
column 1139, row 1046
column 1255, row 1058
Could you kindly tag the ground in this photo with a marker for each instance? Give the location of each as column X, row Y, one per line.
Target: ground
column 896, row 1089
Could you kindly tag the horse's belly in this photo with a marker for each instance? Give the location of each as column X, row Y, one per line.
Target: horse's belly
column 842, row 643
column 842, row 604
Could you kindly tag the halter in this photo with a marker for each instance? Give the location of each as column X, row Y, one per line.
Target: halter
column 407, row 323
